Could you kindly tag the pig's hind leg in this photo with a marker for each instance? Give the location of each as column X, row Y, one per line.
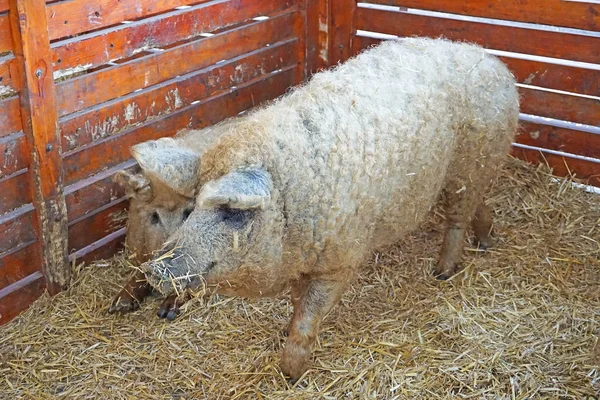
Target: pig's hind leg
column 463, row 208
column 482, row 226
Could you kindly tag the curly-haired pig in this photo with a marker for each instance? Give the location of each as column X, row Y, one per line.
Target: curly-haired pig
column 298, row 193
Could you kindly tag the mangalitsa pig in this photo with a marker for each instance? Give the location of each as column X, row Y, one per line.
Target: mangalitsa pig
column 298, row 193
column 156, row 210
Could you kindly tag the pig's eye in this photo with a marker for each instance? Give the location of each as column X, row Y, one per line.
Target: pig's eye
column 187, row 213
column 154, row 218
column 235, row 218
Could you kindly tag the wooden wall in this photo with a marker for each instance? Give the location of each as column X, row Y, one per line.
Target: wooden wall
column 83, row 80
column 552, row 47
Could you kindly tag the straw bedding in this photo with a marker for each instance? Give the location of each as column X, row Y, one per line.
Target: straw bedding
column 521, row 322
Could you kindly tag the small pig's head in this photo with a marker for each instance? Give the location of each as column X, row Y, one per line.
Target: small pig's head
column 161, row 195
column 232, row 239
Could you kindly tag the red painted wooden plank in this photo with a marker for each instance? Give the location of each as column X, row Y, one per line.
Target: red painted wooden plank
column 587, row 171
column 40, row 123
column 561, row 139
column 87, row 90
column 499, row 37
column 93, row 227
column 114, row 150
column 560, row 106
column 10, row 116
column 102, row 249
column 14, row 154
column 535, row 73
column 109, row 118
column 583, row 15
column 17, row 228
column 4, row 5
column 66, row 18
column 122, row 41
column 317, row 42
column 96, row 191
column 15, row 191
column 6, row 79
column 19, row 296
column 553, row 76
column 19, row 264
column 5, row 35
column 342, row 17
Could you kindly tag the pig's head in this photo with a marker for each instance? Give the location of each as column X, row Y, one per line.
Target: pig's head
column 231, row 239
column 162, row 195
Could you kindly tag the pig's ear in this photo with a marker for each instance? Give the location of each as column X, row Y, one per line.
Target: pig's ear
column 173, row 165
column 136, row 185
column 243, row 190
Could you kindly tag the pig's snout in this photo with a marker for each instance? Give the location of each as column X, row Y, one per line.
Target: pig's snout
column 171, row 276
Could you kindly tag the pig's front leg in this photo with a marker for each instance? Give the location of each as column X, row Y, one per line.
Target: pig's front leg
column 134, row 291
column 312, row 300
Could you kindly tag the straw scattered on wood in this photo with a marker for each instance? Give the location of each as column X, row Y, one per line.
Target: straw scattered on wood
column 521, row 321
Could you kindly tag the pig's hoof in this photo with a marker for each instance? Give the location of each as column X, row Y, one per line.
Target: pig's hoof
column 169, row 314
column 292, row 381
column 168, row 309
column 294, row 361
column 485, row 244
column 123, row 305
column 172, row 314
column 442, row 277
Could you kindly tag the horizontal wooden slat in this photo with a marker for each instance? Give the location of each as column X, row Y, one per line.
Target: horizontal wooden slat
column 6, row 80
column 561, row 139
column 554, row 76
column 549, row 12
column 560, row 106
column 14, row 154
column 102, row 249
column 499, row 37
column 87, row 90
column 535, row 73
column 96, row 191
column 19, row 296
column 17, row 265
column 123, row 41
column 91, row 228
column 114, row 150
column 17, row 228
column 4, row 5
column 15, row 191
column 66, row 18
column 5, row 34
column 584, row 170
column 10, row 116
column 109, row 118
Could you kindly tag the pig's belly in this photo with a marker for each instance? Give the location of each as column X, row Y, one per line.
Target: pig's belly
column 254, row 283
column 403, row 215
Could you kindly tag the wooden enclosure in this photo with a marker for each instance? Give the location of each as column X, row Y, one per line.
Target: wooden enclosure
column 83, row 80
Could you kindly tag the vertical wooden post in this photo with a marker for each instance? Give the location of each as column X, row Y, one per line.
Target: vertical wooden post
column 317, row 41
column 342, row 25
column 31, row 46
column 300, row 30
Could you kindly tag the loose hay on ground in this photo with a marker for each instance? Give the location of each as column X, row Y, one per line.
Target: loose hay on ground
column 521, row 322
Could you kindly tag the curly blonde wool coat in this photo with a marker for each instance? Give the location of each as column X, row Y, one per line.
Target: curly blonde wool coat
column 298, row 193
